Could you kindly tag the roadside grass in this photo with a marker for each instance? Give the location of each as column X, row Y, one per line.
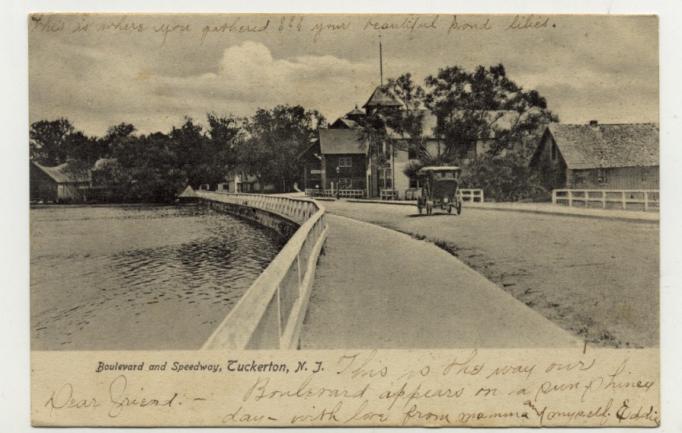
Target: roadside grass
column 565, row 316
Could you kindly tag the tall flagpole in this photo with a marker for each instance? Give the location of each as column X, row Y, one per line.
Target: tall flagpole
column 381, row 63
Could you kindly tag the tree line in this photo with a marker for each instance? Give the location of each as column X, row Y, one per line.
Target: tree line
column 133, row 167
column 466, row 104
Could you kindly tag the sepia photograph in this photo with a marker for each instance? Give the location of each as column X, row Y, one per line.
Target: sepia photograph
column 233, row 187
column 265, row 199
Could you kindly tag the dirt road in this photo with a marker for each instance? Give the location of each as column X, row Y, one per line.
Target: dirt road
column 598, row 279
column 377, row 288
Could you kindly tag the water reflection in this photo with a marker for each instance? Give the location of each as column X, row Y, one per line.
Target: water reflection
column 138, row 277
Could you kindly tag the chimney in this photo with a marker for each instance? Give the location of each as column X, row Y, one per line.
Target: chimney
column 594, row 123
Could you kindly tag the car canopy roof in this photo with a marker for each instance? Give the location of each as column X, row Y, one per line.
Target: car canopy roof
column 431, row 169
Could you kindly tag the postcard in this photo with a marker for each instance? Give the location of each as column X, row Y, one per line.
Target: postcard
column 344, row 220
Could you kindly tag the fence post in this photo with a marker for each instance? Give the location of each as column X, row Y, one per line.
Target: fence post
column 553, row 196
column 570, row 198
column 624, row 203
column 646, row 200
column 603, row 199
column 482, row 200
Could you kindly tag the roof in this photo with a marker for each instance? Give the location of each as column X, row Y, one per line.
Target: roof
column 355, row 112
column 607, row 145
column 65, row 173
column 382, row 97
column 441, row 168
column 188, row 193
column 313, row 148
column 342, row 141
column 344, row 122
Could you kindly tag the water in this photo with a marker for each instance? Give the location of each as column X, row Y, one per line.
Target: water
column 138, row 277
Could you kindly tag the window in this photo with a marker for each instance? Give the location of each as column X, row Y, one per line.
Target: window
column 345, row 161
column 602, row 176
column 553, row 151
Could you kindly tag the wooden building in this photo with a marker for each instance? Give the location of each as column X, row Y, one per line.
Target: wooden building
column 311, row 160
column 598, row 156
column 340, row 145
column 238, row 182
column 64, row 183
column 343, row 163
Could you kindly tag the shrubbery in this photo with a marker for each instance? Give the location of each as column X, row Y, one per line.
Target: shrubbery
column 504, row 178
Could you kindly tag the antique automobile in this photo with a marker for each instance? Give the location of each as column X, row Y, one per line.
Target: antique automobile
column 439, row 189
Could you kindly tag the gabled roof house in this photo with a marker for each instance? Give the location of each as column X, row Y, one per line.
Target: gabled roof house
column 598, row 156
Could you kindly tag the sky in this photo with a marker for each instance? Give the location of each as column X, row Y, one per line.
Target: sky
column 153, row 70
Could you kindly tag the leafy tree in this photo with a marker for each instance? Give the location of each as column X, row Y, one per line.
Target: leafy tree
column 224, row 136
column 408, row 121
column 121, row 130
column 48, row 141
column 468, row 105
column 144, row 169
column 274, row 139
column 481, row 106
column 186, row 144
column 113, row 136
column 83, row 149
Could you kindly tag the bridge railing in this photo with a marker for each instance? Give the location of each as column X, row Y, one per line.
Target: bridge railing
column 642, row 199
column 270, row 313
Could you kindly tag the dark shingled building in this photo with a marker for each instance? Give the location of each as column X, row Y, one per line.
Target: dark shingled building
column 598, row 156
column 59, row 184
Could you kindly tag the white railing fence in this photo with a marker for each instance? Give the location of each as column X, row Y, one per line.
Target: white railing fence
column 474, row 195
column 388, row 194
column 342, row 193
column 628, row 199
column 270, row 313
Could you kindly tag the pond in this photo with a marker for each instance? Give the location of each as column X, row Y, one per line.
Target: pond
column 138, row 277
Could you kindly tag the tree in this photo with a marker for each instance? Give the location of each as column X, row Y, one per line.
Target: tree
column 113, row 136
column 48, row 141
column 224, row 136
column 274, row 140
column 485, row 107
column 82, row 149
column 143, row 169
column 187, row 145
column 408, row 121
column 468, row 105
